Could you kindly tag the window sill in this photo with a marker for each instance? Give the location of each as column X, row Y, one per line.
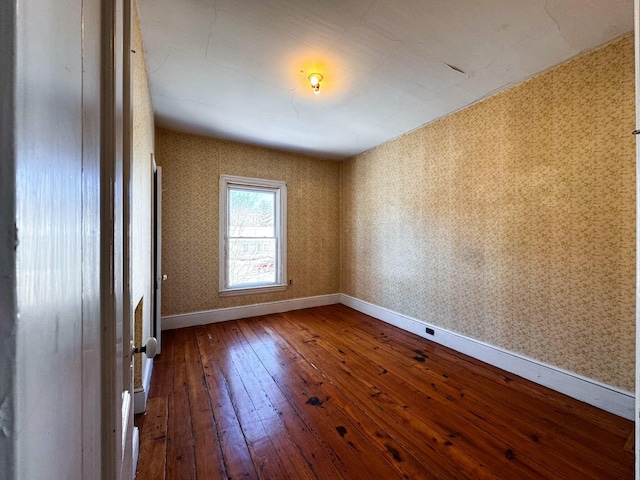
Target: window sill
column 251, row 290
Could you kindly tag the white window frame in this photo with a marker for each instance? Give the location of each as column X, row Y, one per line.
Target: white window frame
column 280, row 219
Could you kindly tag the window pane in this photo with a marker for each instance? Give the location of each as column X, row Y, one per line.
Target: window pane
column 252, row 260
column 251, row 213
column 253, row 241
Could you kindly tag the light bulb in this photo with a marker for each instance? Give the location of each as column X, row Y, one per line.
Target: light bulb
column 315, row 79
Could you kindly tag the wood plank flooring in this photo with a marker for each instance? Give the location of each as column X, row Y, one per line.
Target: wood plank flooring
column 330, row 393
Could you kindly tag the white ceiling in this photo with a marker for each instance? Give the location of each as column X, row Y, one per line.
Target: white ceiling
column 237, row 69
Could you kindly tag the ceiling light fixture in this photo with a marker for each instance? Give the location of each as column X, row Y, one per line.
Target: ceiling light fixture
column 315, row 79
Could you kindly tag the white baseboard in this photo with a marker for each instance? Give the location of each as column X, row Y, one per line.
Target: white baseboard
column 234, row 313
column 136, row 450
column 141, row 394
column 587, row 390
column 590, row 391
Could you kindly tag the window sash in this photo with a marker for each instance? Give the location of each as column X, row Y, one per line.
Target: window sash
column 258, row 267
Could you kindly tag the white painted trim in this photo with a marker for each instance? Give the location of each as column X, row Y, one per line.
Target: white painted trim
column 234, row 292
column 636, row 27
column 141, row 394
column 136, row 450
column 139, row 400
column 606, row 397
column 126, row 417
column 279, row 188
column 234, row 313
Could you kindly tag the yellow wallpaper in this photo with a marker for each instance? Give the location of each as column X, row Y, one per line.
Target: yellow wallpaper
column 511, row 221
column 143, row 140
column 191, row 168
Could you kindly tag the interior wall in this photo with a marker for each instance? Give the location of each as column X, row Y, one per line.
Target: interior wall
column 191, row 169
column 141, row 192
column 512, row 221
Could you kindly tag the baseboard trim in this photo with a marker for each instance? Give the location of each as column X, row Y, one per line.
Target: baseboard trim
column 606, row 397
column 234, row 313
column 141, row 394
column 136, row 450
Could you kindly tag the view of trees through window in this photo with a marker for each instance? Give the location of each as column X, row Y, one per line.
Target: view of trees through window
column 252, row 237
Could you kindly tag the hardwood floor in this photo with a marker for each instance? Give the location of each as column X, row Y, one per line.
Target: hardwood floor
column 330, row 393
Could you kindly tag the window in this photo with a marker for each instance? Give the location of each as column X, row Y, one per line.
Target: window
column 253, row 242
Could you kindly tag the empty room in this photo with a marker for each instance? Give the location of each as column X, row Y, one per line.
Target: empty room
column 289, row 239
column 397, row 240
column 392, row 239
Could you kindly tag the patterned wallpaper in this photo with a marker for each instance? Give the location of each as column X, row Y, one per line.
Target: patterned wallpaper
column 143, row 140
column 191, row 168
column 511, row 221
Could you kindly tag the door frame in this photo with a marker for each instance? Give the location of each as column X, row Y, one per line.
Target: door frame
column 636, row 23
column 115, row 178
column 129, row 447
column 156, row 261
